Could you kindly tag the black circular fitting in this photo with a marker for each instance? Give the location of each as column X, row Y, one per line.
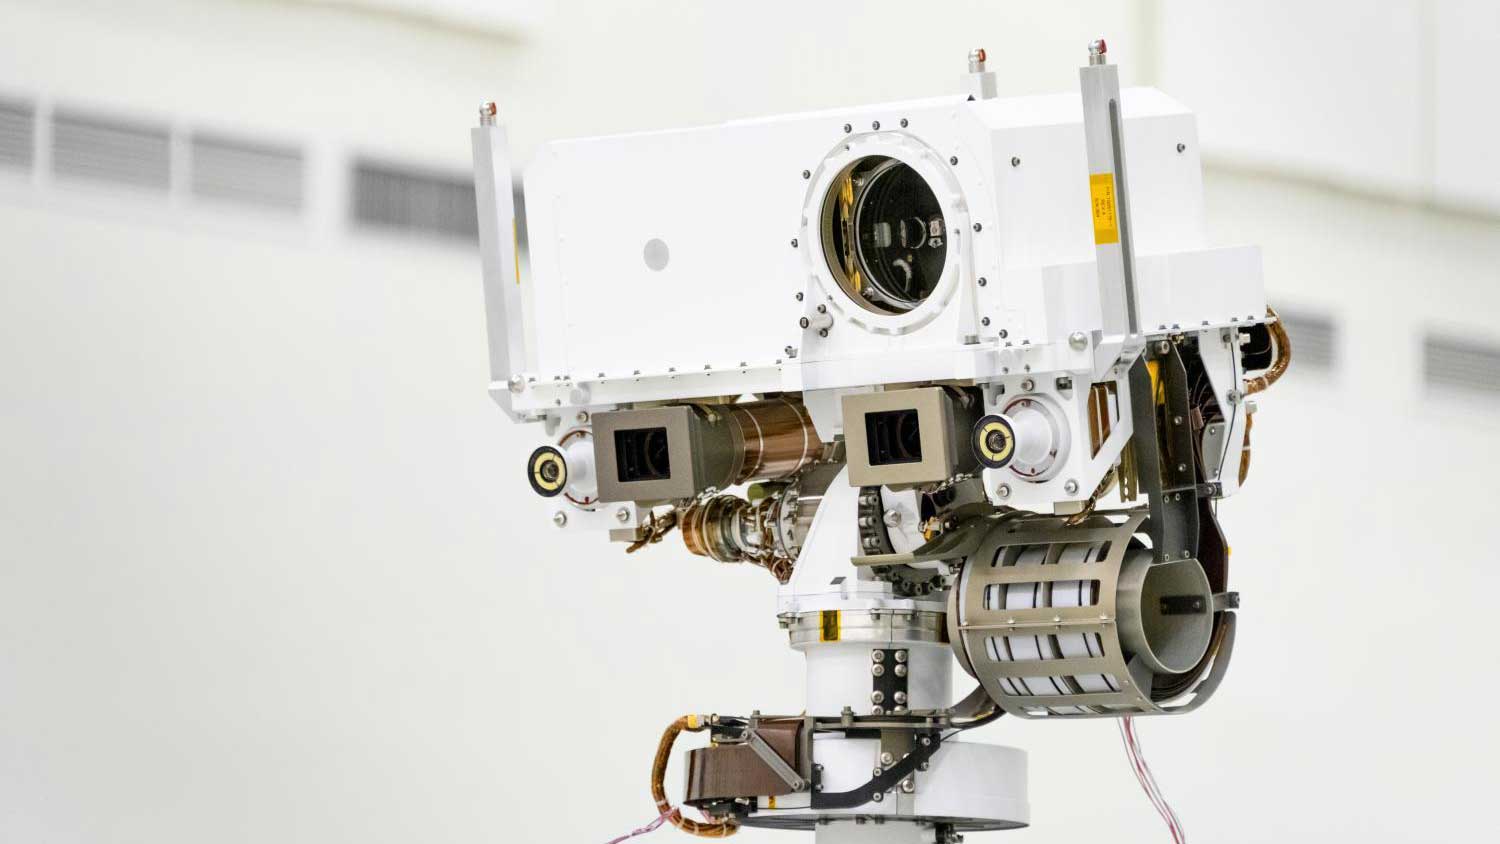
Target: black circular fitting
column 993, row 441
column 547, row 471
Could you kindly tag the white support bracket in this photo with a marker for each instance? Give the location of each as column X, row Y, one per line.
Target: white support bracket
column 499, row 250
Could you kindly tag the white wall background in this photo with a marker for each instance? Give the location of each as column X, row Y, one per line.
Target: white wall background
column 268, row 568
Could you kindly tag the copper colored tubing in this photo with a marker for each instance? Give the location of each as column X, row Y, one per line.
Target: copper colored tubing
column 779, row 438
column 1283, row 356
column 709, row 829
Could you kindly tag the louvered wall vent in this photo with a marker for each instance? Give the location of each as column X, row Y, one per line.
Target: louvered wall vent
column 1314, row 339
column 388, row 196
column 108, row 150
column 17, row 130
column 1449, row 362
column 250, row 172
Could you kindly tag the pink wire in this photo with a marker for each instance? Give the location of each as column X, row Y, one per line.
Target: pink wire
column 650, row 827
column 1147, row 780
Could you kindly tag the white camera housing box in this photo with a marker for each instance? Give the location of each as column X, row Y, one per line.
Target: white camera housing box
column 696, row 263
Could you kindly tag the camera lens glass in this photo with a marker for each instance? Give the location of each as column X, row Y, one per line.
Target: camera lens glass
column 884, row 235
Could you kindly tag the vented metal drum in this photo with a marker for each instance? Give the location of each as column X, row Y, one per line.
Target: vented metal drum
column 1081, row 620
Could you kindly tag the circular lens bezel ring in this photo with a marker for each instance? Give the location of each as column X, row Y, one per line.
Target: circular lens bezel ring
column 950, row 193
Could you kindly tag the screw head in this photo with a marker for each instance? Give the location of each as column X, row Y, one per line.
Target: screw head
column 1070, row 487
column 1181, row 147
column 877, row 697
column 1015, row 161
column 875, row 125
column 982, row 281
column 984, row 320
column 848, row 128
column 953, row 161
column 877, row 797
column 559, row 518
column 1027, row 385
column 1003, row 491
column 907, row 786
column 903, row 123
column 978, row 227
column 799, row 297
column 901, row 697
column 1078, row 340
column 887, row 758
column 794, row 243
column 878, row 670
column 900, row 656
column 803, row 322
column 517, row 383
column 622, row 515
column 807, row 174
column 901, row 671
column 877, row 656
column 822, row 332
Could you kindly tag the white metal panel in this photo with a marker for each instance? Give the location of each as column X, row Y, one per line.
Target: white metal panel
column 1311, row 86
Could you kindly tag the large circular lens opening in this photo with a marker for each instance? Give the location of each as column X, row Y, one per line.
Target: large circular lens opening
column 883, row 235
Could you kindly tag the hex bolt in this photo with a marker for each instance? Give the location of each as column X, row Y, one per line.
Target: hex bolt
column 622, row 515
column 1071, row 487
column 560, row 518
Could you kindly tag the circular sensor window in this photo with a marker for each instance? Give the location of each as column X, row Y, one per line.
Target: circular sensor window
column 883, row 235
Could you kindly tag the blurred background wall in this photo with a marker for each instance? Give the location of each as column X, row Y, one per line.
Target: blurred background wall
column 268, row 567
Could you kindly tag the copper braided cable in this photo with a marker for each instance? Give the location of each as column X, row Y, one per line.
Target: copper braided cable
column 1283, row 356
column 710, row 829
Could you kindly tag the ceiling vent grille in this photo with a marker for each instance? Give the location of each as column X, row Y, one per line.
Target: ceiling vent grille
column 246, row 172
column 1449, row 362
column 392, row 197
column 1314, row 339
column 113, row 151
column 17, row 130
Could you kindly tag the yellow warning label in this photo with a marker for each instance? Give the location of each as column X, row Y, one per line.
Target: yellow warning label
column 828, row 630
column 1102, row 196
